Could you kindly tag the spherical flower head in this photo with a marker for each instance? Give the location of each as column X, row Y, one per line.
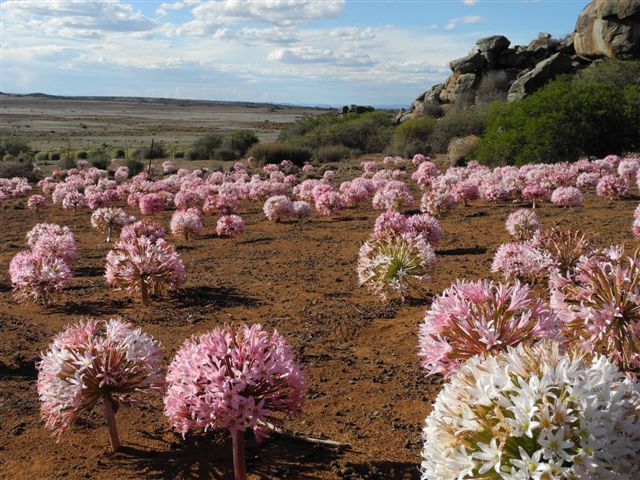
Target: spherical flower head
column 613, row 187
column 393, row 195
column 38, row 276
column 301, row 209
column 233, row 378
column 86, row 363
column 51, row 239
column 565, row 247
column 391, row 262
column 426, row 226
column 465, row 191
column 36, row 202
column 628, row 167
column 475, row 318
column 392, row 220
column 151, row 203
column 328, row 202
column 307, row 168
column 425, row 174
column 437, row 203
column 186, row 199
column 523, row 262
column 230, row 225
column 121, row 174
column 109, row 219
column 74, row 200
column 567, row 197
column 523, row 224
column 532, row 412
column 278, row 208
column 588, row 180
column 187, row 224
column 144, row 267
column 418, row 159
column 168, row 167
column 222, row 203
column 142, row 228
column 599, row 306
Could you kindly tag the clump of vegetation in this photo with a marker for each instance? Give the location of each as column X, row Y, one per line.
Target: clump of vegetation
column 331, row 154
column 595, row 112
column 413, row 136
column 231, row 147
column 14, row 146
column 134, row 166
column 275, row 152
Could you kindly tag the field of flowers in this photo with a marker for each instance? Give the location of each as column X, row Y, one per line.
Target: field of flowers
column 386, row 319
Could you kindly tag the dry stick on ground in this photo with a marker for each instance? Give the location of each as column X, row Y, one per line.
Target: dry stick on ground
column 304, row 438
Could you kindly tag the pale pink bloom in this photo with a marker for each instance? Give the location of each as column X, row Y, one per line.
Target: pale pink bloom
column 36, row 202
column 392, row 220
column 371, row 167
column 233, row 378
column 151, row 203
column 186, row 199
column 418, row 159
column 437, row 203
column 223, row 203
column 476, row 318
column 427, row 227
column 142, row 228
column 187, row 224
column 628, row 167
column 168, row 167
column 304, row 190
column 464, row 191
column 301, row 209
column 56, row 240
column 38, row 276
column 230, row 225
column 567, row 197
column 278, row 208
column 523, row 224
column 357, row 191
column 74, row 200
column 613, row 187
column 308, row 168
column 599, row 306
column 588, row 180
column 144, row 267
column 393, row 195
column 536, row 193
column 86, row 365
column 329, row 175
column 328, row 202
column 521, row 261
column 392, row 262
column 636, row 227
column 425, row 174
column 110, row 219
column 121, row 174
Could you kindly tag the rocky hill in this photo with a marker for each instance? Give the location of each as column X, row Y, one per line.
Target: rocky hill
column 495, row 69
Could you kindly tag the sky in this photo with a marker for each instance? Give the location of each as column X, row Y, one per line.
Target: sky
column 311, row 52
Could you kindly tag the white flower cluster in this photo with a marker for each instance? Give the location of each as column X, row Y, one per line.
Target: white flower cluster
column 535, row 413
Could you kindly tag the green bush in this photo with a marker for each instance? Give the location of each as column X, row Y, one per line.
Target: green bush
column 457, row 122
column 54, row 156
column 146, row 153
column 275, row 152
column 119, row 153
column 7, row 157
column 66, row 162
column 13, row 146
column 101, row 163
column 99, row 157
column 81, row 155
column 42, row 156
column 134, row 166
column 242, row 141
column 226, row 154
column 17, row 168
column 204, row 148
column 331, row 154
column 178, row 154
column 567, row 119
column 413, row 136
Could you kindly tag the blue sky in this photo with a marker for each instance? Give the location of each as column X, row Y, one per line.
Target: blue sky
column 294, row 51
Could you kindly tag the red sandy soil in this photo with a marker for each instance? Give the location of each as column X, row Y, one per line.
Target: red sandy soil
column 365, row 386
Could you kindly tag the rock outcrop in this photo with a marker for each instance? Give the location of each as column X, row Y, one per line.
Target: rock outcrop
column 494, row 69
column 609, row 28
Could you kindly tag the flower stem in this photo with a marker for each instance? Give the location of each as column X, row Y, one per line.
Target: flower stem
column 109, row 417
column 239, row 468
column 144, row 292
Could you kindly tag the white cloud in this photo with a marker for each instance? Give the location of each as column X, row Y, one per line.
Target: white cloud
column 469, row 2
column 172, row 6
column 209, row 16
column 467, row 19
column 161, row 12
column 300, row 55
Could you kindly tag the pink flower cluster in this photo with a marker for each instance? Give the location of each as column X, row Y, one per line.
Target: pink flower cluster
column 278, row 208
column 38, row 276
column 522, row 262
column 424, row 225
column 143, row 267
column 151, row 203
column 567, row 197
column 230, row 225
column 37, row 202
column 52, row 239
column 13, row 187
column 613, row 187
column 475, row 318
column 85, row 365
column 523, row 224
column 110, row 219
column 393, row 195
column 142, row 228
column 187, row 224
column 234, row 379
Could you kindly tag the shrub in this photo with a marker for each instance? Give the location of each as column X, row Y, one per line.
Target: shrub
column 493, row 87
column 460, row 148
column 134, row 166
column 204, row 148
column 42, row 156
column 565, row 120
column 14, row 146
column 242, row 141
column 331, row 153
column 119, row 153
column 457, row 122
column 65, row 163
column 55, row 156
column 81, row 155
column 17, row 169
column 146, row 153
column 275, row 152
column 413, row 136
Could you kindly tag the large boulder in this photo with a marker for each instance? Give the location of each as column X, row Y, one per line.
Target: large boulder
column 609, row 28
column 470, row 64
column 493, row 44
column 460, row 87
column 542, row 73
